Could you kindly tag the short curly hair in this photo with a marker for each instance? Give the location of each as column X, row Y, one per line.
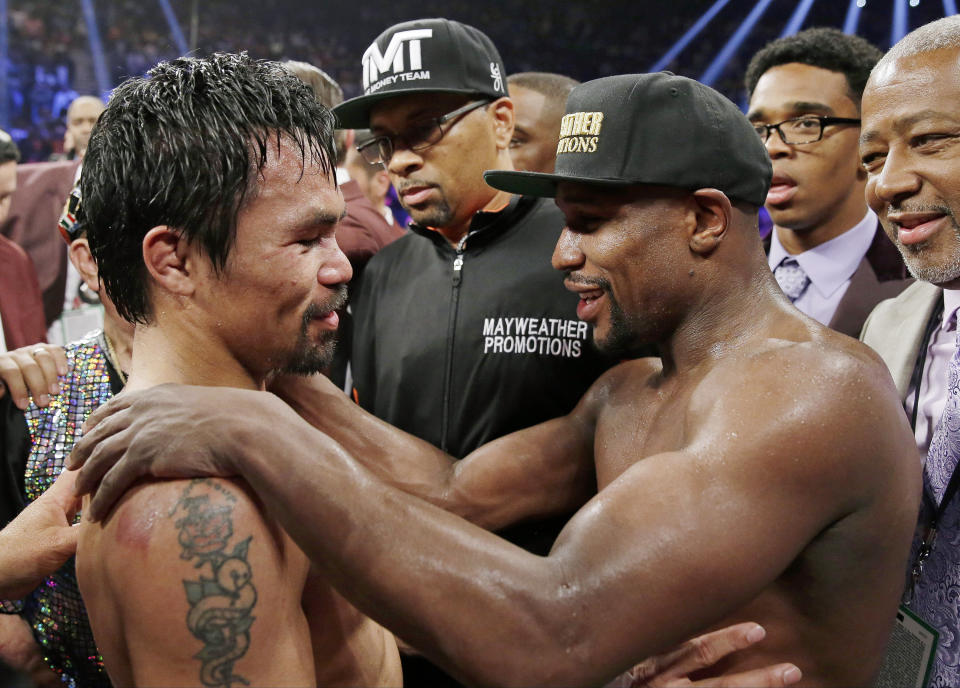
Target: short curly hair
column 823, row 47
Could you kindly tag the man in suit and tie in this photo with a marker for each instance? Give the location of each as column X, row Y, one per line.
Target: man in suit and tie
column 826, row 249
column 910, row 149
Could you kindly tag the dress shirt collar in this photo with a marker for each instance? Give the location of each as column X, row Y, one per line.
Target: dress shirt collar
column 951, row 304
column 831, row 264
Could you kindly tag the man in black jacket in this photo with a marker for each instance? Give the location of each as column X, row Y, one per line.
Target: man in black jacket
column 463, row 331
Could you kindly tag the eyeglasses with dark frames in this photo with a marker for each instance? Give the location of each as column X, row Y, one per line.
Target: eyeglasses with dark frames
column 798, row 131
column 418, row 136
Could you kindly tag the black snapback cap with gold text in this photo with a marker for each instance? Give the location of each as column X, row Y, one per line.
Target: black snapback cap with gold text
column 658, row 129
column 425, row 56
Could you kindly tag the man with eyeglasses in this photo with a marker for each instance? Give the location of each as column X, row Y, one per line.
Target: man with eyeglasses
column 463, row 332
column 827, row 250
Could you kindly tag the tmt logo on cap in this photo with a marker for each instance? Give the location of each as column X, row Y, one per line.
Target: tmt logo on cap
column 425, row 56
column 580, row 132
column 376, row 63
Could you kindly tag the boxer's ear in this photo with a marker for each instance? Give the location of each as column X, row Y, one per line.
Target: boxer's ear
column 713, row 212
column 170, row 260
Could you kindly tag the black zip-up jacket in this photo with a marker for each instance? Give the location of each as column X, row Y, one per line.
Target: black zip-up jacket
column 459, row 346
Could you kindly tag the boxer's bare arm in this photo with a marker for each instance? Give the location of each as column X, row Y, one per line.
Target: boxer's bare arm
column 188, row 584
column 538, row 472
column 676, row 525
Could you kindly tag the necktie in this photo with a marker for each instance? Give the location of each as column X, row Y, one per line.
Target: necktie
column 791, row 278
column 935, row 597
column 945, row 444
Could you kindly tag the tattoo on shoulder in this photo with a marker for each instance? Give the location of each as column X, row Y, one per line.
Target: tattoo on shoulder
column 222, row 597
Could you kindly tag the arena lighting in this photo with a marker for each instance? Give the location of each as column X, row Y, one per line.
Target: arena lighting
column 797, row 18
column 949, row 8
column 714, row 71
column 691, row 33
column 914, row 3
column 4, row 54
column 174, row 26
column 96, row 47
column 853, row 16
column 898, row 27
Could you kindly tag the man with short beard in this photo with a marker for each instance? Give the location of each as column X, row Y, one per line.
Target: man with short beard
column 211, row 207
column 910, row 148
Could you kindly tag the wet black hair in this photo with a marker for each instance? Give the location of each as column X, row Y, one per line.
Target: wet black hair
column 183, row 147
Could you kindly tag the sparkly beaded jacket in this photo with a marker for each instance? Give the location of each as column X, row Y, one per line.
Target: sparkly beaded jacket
column 33, row 460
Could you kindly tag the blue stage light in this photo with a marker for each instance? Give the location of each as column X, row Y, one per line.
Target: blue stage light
column 853, row 16
column 949, row 8
column 797, row 18
column 685, row 39
column 899, row 26
column 4, row 61
column 174, row 26
column 96, row 48
column 714, row 71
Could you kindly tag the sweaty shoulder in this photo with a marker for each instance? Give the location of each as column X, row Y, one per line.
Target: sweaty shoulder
column 190, row 582
column 826, row 398
column 623, row 379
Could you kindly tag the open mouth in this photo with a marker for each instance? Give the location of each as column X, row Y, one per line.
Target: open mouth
column 913, row 228
column 782, row 189
column 589, row 304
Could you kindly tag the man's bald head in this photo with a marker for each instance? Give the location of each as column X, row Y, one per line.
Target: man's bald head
column 81, row 116
column 937, row 35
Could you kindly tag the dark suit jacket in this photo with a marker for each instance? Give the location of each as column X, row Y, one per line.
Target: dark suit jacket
column 21, row 307
column 880, row 275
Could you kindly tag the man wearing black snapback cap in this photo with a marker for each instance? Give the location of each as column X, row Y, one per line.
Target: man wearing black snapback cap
column 465, row 310
column 756, row 471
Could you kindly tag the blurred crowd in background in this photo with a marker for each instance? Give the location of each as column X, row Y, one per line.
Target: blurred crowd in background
column 51, row 60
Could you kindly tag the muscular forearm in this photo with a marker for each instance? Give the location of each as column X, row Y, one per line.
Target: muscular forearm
column 396, row 558
column 544, row 471
column 396, row 457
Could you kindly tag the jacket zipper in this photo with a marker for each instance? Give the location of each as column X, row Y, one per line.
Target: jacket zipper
column 451, row 329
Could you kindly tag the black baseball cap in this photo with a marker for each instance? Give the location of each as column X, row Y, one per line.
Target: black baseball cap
column 425, row 56
column 651, row 129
